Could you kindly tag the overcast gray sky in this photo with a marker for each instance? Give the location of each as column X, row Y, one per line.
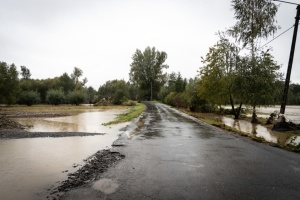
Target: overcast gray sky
column 51, row 37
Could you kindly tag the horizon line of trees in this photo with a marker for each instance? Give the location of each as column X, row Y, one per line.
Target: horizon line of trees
column 235, row 71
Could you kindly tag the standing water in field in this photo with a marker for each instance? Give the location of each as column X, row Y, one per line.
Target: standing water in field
column 30, row 166
column 292, row 113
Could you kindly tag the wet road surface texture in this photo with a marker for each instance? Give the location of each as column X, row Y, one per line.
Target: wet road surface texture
column 173, row 156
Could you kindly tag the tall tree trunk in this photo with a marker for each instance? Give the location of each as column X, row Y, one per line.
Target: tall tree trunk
column 238, row 112
column 232, row 106
column 254, row 116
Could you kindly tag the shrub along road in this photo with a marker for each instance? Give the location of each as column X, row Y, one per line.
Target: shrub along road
column 173, row 156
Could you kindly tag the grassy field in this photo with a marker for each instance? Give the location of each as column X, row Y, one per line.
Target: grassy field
column 130, row 114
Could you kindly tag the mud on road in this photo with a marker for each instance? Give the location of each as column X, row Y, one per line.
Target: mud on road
column 91, row 171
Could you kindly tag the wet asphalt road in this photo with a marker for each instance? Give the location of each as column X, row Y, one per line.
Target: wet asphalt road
column 173, row 156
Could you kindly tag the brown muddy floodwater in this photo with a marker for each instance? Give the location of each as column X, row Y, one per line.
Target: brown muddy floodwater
column 292, row 113
column 31, row 166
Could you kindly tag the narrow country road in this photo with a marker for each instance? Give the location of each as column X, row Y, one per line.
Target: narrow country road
column 173, row 156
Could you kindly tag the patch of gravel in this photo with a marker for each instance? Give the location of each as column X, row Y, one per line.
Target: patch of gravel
column 91, row 171
column 6, row 123
column 17, row 134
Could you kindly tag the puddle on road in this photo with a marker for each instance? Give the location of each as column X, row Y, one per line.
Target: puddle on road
column 107, row 186
column 261, row 131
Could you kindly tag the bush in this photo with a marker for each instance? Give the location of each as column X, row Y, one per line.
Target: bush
column 176, row 99
column 129, row 103
column 55, row 97
column 77, row 97
column 102, row 102
column 118, row 97
column 29, row 98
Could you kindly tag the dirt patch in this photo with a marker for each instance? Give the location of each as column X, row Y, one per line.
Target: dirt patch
column 10, row 114
column 91, row 171
column 6, row 123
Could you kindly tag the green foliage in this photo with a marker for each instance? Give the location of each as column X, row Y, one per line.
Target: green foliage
column 129, row 115
column 91, row 95
column 29, row 98
column 219, row 72
column 25, row 72
column 102, row 102
column 255, row 19
column 174, row 83
column 9, row 83
column 77, row 97
column 176, row 99
column 258, row 82
column 129, row 103
column 66, row 83
column 77, row 73
column 55, row 97
column 146, row 71
column 115, row 91
column 133, row 91
column 294, row 94
column 119, row 97
column 193, row 98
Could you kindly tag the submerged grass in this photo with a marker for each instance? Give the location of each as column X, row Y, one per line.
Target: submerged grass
column 131, row 113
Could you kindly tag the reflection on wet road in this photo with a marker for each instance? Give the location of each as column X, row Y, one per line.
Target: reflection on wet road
column 164, row 122
column 170, row 155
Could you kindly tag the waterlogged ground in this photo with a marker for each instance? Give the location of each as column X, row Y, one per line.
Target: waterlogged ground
column 261, row 131
column 86, row 121
column 30, row 166
column 292, row 113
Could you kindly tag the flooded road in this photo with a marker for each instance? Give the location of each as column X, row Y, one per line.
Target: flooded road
column 31, row 166
column 174, row 156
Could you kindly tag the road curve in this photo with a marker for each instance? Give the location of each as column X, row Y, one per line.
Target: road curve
column 174, row 156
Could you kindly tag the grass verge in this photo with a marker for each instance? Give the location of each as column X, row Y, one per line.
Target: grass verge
column 131, row 113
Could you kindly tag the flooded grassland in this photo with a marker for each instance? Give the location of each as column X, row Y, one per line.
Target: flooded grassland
column 30, row 166
column 261, row 132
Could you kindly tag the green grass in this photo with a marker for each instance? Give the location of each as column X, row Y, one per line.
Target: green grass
column 131, row 113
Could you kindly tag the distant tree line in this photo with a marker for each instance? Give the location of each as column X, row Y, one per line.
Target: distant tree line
column 236, row 71
column 19, row 87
